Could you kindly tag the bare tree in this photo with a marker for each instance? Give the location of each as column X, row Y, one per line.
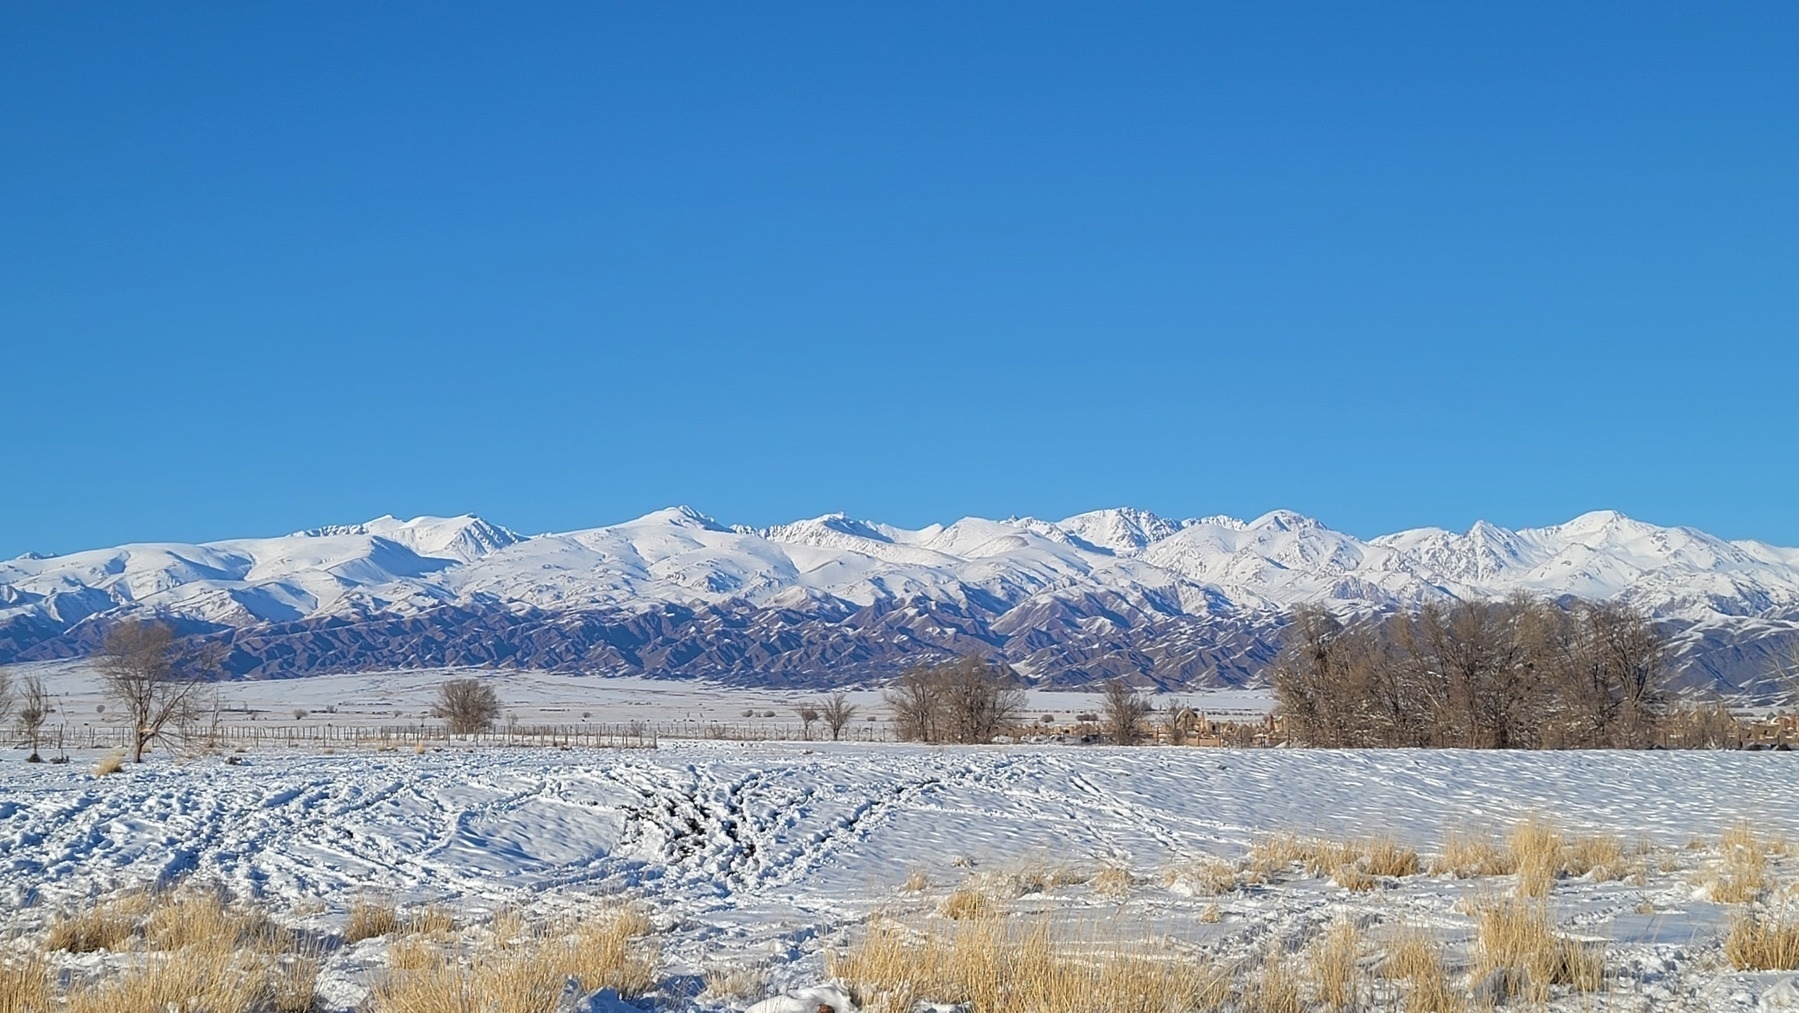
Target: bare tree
column 6, row 695
column 837, row 712
column 913, row 699
column 967, row 700
column 34, row 708
column 1124, row 711
column 467, row 706
column 158, row 679
column 807, row 715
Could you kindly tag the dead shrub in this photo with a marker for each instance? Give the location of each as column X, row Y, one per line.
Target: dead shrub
column 1274, row 988
column 1351, row 877
column 916, row 882
column 111, row 763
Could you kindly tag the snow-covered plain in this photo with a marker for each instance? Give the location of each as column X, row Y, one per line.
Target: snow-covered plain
column 767, row 854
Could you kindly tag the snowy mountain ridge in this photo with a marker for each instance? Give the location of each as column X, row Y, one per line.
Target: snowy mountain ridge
column 1085, row 576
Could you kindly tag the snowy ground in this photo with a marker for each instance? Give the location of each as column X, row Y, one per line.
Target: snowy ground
column 764, row 854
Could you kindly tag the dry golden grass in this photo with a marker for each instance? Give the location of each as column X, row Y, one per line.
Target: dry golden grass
column 1113, row 880
column 107, row 925
column 1742, row 876
column 371, row 917
column 613, row 950
column 968, row 902
column 1519, row 937
column 1369, row 857
column 1202, row 877
column 1415, row 959
column 1351, row 877
column 25, row 984
column 430, row 920
column 1336, row 970
column 1274, row 989
column 523, row 971
column 1536, row 846
column 195, row 980
column 1467, row 855
column 202, row 918
column 293, row 981
column 1759, row 943
column 410, row 953
column 916, row 882
column 111, row 763
column 1383, row 856
column 1005, row 966
column 739, row 981
column 1279, row 852
column 502, row 981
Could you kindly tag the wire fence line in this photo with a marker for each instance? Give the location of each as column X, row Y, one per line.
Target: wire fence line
column 587, row 735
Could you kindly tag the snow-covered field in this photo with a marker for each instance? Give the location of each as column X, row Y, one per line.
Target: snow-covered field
column 766, row 855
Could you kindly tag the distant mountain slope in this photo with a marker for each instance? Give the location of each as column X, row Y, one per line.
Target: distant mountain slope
column 1112, row 592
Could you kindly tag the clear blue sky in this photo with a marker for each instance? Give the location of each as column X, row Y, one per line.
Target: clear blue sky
column 267, row 266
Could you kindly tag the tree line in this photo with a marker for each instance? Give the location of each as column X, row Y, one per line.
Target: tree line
column 1515, row 674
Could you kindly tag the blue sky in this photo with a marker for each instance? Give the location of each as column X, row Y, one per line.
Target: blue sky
column 268, row 266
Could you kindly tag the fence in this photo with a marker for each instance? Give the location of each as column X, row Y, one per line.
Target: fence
column 586, row 735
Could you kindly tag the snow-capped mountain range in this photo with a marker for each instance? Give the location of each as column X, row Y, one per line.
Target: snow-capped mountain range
column 1121, row 591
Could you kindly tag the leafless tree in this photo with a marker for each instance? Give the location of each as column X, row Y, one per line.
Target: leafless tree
column 837, row 712
column 913, row 699
column 158, row 679
column 34, row 708
column 467, row 706
column 1518, row 673
column 967, row 700
column 1124, row 711
column 6, row 694
column 808, row 714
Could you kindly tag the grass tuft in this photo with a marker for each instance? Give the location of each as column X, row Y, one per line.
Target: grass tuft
column 371, row 917
column 1518, row 937
column 1760, row 943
